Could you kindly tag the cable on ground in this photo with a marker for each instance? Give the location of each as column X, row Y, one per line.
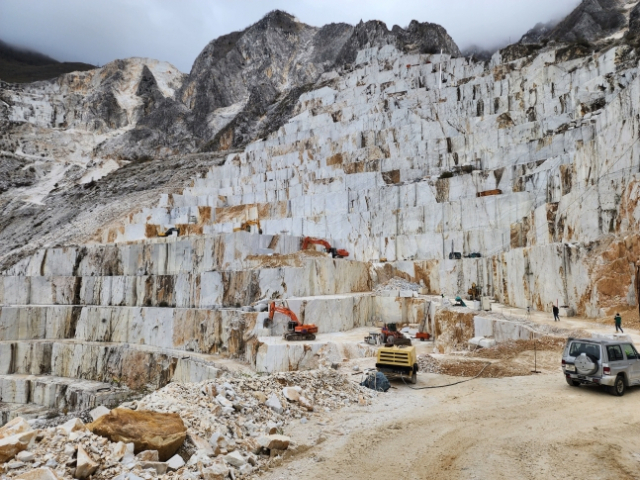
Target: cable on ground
column 447, row 385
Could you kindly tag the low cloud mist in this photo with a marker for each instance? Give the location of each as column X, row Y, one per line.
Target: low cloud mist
column 99, row 31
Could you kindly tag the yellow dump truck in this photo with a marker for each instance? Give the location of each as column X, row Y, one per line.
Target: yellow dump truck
column 398, row 361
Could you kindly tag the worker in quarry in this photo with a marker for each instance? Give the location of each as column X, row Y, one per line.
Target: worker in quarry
column 618, row 320
column 459, row 303
column 556, row 313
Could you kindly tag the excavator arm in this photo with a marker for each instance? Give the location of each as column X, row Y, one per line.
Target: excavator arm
column 315, row 241
column 295, row 330
column 273, row 309
column 246, row 226
column 340, row 253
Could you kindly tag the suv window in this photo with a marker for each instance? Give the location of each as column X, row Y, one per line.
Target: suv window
column 589, row 348
column 614, row 352
column 630, row 351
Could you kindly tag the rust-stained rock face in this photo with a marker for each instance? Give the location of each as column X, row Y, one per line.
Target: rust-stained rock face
column 164, row 432
column 453, row 329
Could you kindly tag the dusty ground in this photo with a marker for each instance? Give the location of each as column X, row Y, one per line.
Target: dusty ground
column 516, row 427
column 529, row 426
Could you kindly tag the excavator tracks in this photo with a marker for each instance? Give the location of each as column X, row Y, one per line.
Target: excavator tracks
column 298, row 337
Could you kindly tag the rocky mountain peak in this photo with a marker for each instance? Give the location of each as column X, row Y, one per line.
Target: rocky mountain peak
column 592, row 25
column 278, row 19
column 538, row 33
column 633, row 34
column 591, row 21
column 271, row 58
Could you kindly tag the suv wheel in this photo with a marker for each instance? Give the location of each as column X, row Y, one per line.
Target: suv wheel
column 618, row 387
column 573, row 383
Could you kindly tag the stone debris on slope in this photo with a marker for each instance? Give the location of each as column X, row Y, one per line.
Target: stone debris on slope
column 236, row 437
column 15, row 437
column 397, row 283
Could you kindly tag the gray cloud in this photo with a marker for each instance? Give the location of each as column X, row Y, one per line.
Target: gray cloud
column 98, row 31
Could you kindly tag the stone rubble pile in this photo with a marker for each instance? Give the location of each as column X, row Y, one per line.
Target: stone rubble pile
column 397, row 283
column 428, row 364
column 231, row 428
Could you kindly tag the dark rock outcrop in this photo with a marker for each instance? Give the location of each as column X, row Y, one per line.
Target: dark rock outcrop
column 242, row 85
column 276, row 55
column 538, row 33
column 590, row 21
column 582, row 31
column 479, row 53
column 633, row 35
column 18, row 65
column 417, row 38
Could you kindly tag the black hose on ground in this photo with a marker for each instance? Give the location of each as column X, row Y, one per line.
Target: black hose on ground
column 447, row 385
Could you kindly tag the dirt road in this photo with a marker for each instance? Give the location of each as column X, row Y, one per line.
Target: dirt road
column 516, row 427
column 533, row 427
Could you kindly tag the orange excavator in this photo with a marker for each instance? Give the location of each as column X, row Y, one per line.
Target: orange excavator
column 295, row 330
column 335, row 253
column 246, row 226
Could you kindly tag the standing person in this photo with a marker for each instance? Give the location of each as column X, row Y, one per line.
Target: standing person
column 556, row 314
column 618, row 320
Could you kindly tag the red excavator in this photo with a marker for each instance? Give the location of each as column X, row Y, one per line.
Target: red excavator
column 335, row 253
column 295, row 330
column 392, row 336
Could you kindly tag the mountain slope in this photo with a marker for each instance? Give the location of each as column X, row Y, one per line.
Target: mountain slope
column 592, row 20
column 24, row 66
column 62, row 137
column 241, row 83
column 592, row 25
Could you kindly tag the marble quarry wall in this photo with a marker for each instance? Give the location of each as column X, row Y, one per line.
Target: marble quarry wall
column 533, row 164
column 528, row 169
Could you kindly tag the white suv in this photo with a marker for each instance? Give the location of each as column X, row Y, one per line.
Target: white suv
column 612, row 363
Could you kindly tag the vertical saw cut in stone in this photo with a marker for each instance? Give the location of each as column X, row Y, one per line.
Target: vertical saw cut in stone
column 147, row 430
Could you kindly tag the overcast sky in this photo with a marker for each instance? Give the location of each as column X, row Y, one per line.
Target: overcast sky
column 98, row 31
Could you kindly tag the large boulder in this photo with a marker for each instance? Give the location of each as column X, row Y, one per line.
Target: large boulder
column 147, row 430
column 86, row 466
column 17, row 425
column 14, row 438
column 274, row 442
